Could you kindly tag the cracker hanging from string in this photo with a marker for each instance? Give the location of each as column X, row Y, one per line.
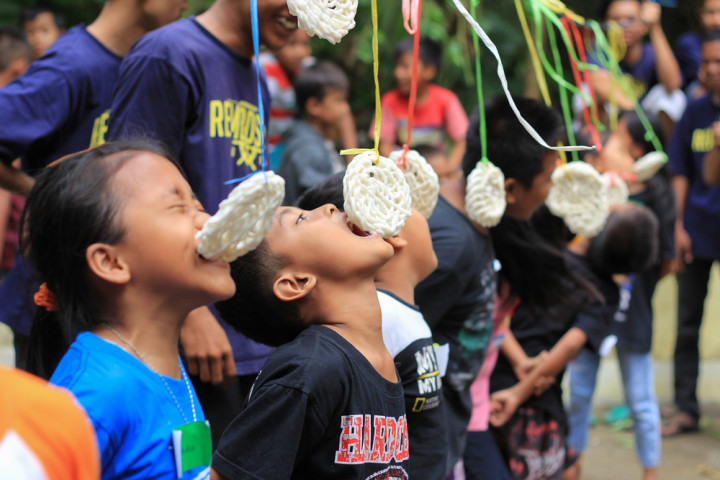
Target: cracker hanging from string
column 243, row 218
column 422, row 180
column 377, row 197
column 579, row 196
column 618, row 192
column 328, row 19
column 648, row 165
column 485, row 194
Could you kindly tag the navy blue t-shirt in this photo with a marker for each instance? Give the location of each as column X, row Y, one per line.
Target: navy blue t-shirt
column 692, row 140
column 181, row 85
column 688, row 51
column 458, row 300
column 61, row 104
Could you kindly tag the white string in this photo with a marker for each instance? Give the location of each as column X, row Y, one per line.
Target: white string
column 501, row 73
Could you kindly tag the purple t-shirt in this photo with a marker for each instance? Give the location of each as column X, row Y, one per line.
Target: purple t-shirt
column 688, row 51
column 641, row 74
column 181, row 85
column 59, row 106
column 692, row 140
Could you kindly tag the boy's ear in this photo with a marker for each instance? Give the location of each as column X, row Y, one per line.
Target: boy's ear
column 290, row 287
column 511, row 187
column 397, row 241
column 105, row 262
column 312, row 106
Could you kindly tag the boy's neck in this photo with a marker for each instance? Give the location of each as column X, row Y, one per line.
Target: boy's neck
column 226, row 23
column 399, row 278
column 325, row 130
column 352, row 310
column 118, row 27
column 633, row 54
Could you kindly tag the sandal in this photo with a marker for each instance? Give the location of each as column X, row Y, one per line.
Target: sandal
column 678, row 424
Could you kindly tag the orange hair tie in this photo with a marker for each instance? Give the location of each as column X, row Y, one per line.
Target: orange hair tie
column 44, row 297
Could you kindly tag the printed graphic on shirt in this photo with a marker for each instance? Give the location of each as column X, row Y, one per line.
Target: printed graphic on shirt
column 240, row 121
column 372, row 439
column 703, row 140
column 420, row 135
column 429, row 381
column 100, row 128
column 638, row 87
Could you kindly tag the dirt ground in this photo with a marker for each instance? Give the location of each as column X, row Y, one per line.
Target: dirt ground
column 692, row 456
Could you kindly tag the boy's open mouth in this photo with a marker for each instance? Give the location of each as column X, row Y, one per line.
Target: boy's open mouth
column 357, row 230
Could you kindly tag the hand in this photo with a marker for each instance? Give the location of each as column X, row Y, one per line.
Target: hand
column 683, row 248
column 503, row 405
column 650, row 13
column 207, row 349
column 522, row 369
column 542, row 383
column 716, row 133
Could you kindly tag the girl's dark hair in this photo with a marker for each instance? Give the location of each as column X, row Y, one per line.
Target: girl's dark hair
column 605, row 6
column 534, row 265
column 254, row 310
column 637, row 130
column 72, row 206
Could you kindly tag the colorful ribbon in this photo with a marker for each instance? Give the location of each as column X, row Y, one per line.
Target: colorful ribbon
column 412, row 10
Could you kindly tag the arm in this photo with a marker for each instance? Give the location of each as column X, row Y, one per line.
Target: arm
column 15, row 180
column 711, row 162
column 603, row 84
column 666, row 66
column 207, row 349
column 348, row 134
column 683, row 243
column 456, row 154
column 504, row 403
column 5, row 201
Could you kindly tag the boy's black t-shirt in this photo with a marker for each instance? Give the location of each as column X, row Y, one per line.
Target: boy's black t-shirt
column 409, row 340
column 537, row 330
column 458, row 300
column 318, row 409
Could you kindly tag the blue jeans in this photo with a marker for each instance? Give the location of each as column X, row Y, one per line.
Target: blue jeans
column 639, row 386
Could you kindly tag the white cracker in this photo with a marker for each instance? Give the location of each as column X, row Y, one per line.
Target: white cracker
column 328, row 19
column 243, row 218
column 648, row 165
column 377, row 197
column 422, row 179
column 485, row 194
column 618, row 192
column 580, row 197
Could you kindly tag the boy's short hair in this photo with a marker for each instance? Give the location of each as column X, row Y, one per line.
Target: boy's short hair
column 509, row 146
column 329, row 190
column 254, row 310
column 315, row 80
column 711, row 36
column 13, row 45
column 628, row 243
column 604, row 6
column 29, row 14
column 429, row 51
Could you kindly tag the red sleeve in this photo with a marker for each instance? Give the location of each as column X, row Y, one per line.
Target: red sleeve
column 456, row 120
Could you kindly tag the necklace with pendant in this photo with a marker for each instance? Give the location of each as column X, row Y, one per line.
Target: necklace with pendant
column 167, row 387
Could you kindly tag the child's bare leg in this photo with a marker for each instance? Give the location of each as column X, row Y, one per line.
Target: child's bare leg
column 650, row 473
column 573, row 472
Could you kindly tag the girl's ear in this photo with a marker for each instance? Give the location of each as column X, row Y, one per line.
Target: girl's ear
column 105, row 262
column 290, row 287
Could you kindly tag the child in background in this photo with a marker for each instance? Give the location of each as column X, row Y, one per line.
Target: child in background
column 458, row 298
column 572, row 307
column 310, row 155
column 281, row 68
column 327, row 403
column 405, row 333
column 688, row 48
column 438, row 115
column 440, row 162
column 111, row 231
column 44, row 434
column 633, row 321
column 43, row 25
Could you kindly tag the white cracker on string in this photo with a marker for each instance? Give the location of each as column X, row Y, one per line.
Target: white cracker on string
column 648, row 165
column 579, row 196
column 485, row 194
column 243, row 218
column 328, row 19
column 377, row 197
column 618, row 192
column 422, row 180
